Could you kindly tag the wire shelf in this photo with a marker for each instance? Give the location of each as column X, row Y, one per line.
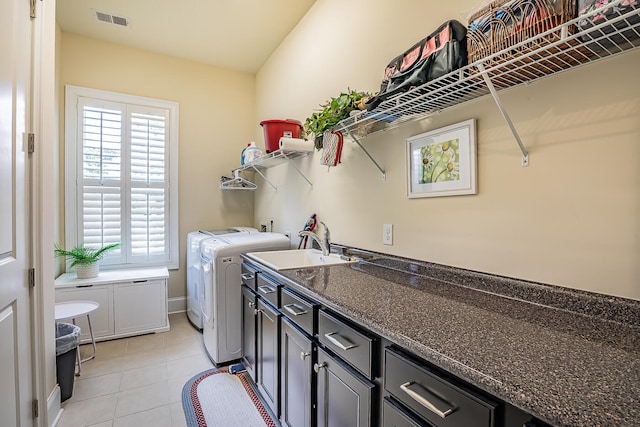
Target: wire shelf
column 274, row 158
column 560, row 49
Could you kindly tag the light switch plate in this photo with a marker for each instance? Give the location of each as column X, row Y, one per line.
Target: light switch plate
column 387, row 234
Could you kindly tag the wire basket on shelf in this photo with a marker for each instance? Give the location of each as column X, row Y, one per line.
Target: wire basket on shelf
column 505, row 24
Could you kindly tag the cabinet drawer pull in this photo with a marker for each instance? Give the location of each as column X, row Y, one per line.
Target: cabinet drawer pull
column 140, row 281
column 304, row 355
column 294, row 309
column 84, row 286
column 346, row 345
column 247, row 277
column 436, row 405
column 266, row 289
column 317, row 367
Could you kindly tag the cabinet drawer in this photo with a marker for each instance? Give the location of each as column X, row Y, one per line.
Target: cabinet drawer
column 434, row 398
column 353, row 346
column 299, row 310
column 268, row 289
column 248, row 276
column 394, row 416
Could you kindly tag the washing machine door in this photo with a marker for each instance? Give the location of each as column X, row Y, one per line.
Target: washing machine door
column 208, row 272
column 194, row 278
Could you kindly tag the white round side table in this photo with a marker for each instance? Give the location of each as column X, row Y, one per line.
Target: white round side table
column 72, row 310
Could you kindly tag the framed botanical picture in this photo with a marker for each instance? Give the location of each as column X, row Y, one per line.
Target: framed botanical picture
column 442, row 162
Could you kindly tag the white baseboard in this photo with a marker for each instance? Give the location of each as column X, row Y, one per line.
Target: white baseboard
column 54, row 410
column 177, row 305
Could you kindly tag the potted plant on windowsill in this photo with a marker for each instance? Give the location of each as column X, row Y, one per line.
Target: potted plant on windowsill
column 333, row 111
column 85, row 258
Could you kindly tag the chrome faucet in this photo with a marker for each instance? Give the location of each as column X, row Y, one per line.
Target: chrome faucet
column 325, row 243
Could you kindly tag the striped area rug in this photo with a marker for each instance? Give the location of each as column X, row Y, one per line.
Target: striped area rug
column 216, row 398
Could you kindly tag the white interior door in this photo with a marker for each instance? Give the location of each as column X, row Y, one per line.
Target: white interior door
column 16, row 386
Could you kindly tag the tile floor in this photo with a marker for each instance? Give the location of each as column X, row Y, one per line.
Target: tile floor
column 137, row 381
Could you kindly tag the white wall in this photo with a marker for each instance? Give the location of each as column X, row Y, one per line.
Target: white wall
column 571, row 218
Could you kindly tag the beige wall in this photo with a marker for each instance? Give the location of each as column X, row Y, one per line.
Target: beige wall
column 217, row 113
column 571, row 218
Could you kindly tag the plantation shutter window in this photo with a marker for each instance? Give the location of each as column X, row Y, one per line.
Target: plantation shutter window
column 125, row 153
column 100, row 186
column 148, row 185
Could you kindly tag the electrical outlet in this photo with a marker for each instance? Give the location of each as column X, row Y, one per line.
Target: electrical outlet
column 387, row 234
column 263, row 227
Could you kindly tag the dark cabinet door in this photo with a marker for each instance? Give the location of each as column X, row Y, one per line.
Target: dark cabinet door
column 344, row 396
column 268, row 372
column 249, row 331
column 296, row 374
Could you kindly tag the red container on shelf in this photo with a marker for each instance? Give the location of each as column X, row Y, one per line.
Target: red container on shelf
column 276, row 129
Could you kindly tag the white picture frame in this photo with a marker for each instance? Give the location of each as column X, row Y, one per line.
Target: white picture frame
column 442, row 162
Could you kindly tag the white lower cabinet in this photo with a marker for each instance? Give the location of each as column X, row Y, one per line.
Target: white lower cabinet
column 132, row 302
column 102, row 318
column 139, row 306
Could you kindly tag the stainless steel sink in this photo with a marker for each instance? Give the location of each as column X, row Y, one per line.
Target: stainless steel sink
column 298, row 258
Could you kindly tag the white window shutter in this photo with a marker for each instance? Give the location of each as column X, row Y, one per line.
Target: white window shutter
column 125, row 157
column 149, row 185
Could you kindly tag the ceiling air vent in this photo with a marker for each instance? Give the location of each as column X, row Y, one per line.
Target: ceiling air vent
column 110, row 18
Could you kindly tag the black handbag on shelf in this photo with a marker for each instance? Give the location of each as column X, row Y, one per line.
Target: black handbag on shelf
column 441, row 52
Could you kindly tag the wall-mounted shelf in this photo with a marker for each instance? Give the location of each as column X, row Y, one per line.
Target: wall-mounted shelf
column 272, row 159
column 560, row 49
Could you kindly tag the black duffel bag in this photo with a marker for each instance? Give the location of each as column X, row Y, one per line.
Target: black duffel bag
column 441, row 52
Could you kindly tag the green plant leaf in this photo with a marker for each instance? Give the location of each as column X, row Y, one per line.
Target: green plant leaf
column 333, row 112
column 84, row 255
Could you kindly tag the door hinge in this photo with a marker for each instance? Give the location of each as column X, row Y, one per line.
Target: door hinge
column 36, row 409
column 33, row 9
column 32, row 277
column 31, row 142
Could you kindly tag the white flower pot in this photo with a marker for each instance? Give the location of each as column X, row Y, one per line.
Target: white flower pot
column 87, row 271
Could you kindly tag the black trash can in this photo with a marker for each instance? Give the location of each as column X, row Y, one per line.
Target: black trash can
column 67, row 340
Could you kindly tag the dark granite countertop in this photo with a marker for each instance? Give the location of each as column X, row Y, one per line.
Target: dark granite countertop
column 570, row 358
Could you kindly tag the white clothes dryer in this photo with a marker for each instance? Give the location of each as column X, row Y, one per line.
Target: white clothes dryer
column 195, row 287
column 221, row 269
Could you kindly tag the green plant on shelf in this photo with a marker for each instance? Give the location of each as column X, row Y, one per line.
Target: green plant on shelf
column 84, row 255
column 332, row 112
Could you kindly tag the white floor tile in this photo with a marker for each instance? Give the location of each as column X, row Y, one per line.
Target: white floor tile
column 142, row 399
column 143, row 376
column 175, row 386
column 145, row 343
column 95, row 368
column 177, row 415
column 88, row 412
column 142, row 359
column 181, row 351
column 157, row 417
column 88, row 388
column 188, row 366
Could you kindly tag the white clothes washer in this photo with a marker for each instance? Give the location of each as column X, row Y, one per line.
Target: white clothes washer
column 195, row 287
column 221, row 269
